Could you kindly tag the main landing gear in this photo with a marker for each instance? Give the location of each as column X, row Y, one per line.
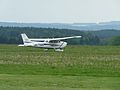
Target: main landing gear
column 59, row 50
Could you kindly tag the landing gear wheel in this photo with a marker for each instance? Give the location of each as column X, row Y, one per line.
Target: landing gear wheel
column 59, row 50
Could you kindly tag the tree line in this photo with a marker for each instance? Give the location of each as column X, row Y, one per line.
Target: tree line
column 11, row 35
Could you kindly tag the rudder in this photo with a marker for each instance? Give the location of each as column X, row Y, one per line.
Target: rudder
column 25, row 38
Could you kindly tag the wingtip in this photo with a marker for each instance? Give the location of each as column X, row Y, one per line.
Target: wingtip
column 78, row 36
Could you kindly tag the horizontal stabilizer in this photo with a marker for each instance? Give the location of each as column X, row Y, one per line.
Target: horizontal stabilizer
column 21, row 45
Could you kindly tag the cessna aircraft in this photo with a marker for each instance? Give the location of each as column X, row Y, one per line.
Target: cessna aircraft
column 49, row 43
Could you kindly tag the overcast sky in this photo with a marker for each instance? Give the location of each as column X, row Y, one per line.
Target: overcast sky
column 59, row 11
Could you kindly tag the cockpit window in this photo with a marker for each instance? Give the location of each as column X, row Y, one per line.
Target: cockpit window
column 38, row 41
column 46, row 40
column 54, row 41
column 41, row 41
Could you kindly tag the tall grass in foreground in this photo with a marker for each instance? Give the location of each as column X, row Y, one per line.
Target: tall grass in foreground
column 75, row 60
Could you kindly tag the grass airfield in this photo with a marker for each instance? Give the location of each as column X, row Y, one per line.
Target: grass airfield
column 77, row 68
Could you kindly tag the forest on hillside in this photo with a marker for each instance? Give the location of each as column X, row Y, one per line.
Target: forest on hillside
column 11, row 35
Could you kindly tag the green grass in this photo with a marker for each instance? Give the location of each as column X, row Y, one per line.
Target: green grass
column 78, row 67
column 58, row 82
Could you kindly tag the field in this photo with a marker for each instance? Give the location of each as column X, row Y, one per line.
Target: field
column 77, row 68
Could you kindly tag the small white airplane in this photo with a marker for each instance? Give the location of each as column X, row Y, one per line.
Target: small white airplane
column 54, row 43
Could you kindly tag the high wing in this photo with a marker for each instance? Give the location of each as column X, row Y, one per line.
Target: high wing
column 64, row 38
column 56, row 39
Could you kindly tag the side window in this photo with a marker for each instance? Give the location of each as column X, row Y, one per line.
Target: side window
column 46, row 41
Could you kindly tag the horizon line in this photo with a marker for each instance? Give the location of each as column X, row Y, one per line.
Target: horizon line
column 57, row 22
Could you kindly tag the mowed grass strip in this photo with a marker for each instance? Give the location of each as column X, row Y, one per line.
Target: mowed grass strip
column 50, row 82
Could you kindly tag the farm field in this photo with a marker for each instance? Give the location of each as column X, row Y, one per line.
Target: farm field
column 77, row 68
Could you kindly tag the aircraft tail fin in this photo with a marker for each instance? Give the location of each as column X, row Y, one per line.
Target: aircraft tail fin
column 25, row 38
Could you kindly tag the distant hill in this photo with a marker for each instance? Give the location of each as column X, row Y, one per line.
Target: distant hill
column 107, row 37
column 74, row 26
column 106, row 33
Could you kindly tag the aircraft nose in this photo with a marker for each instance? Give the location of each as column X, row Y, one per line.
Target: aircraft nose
column 64, row 44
